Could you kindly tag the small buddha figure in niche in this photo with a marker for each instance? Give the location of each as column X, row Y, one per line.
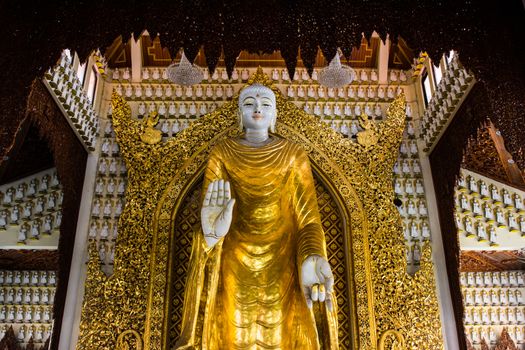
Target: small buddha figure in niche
column 468, row 226
column 20, row 192
column 8, row 197
column 504, row 278
column 351, row 92
column 381, row 92
column 35, row 229
column 411, row 208
column 22, row 233
column 398, row 189
column 209, row 91
column 507, row 199
column 311, row 92
column 32, row 188
column 327, row 110
column 93, row 230
column 245, row 74
column 487, row 211
column 3, row 219
column 344, row 128
column 464, row 204
column 341, row 93
column 483, row 189
column 337, row 110
column 479, row 279
column 473, row 185
column 275, row 74
column 219, row 92
column 500, row 218
column 159, row 92
column 21, row 331
column 48, row 224
column 307, row 108
column 269, row 262
column 467, row 296
column 202, row 109
column 416, row 253
column 370, row 92
column 422, row 208
column 476, row 208
column 486, row 297
column 476, row 316
column 321, row 92
column 361, row 92
column 377, row 110
column 520, row 318
column 25, row 277
column 419, row 188
column 485, row 319
column 235, row 75
column 493, row 237
column 300, row 92
column 188, row 92
column 495, row 195
column 519, row 279
column 406, row 167
column 468, row 317
column 512, row 222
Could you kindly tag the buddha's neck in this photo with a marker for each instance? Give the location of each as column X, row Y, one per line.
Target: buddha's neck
column 256, row 136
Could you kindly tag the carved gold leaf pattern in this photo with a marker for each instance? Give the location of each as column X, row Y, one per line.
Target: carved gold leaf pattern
column 387, row 299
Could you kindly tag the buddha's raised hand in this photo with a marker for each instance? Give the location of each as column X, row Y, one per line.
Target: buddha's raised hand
column 317, row 281
column 216, row 212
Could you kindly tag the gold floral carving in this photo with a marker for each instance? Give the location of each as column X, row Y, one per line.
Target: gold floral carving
column 390, row 305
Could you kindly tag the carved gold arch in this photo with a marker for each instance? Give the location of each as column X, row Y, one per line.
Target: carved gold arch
column 388, row 300
column 349, row 206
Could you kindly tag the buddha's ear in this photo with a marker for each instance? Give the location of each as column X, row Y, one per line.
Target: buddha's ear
column 239, row 120
column 273, row 122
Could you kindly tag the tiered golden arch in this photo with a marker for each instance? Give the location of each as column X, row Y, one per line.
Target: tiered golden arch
column 380, row 306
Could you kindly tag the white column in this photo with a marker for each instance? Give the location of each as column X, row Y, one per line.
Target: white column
column 77, row 273
column 448, row 322
column 136, row 58
column 382, row 62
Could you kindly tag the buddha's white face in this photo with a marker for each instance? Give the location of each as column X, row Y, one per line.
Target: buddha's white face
column 258, row 110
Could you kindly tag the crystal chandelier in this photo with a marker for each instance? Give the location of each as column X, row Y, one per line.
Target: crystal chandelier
column 184, row 73
column 336, row 75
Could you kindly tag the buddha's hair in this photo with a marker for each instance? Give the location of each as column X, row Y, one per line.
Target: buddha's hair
column 254, row 89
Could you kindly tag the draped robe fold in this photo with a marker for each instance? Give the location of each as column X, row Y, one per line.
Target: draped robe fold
column 251, row 277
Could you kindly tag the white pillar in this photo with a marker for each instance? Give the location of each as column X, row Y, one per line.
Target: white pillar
column 136, row 58
column 448, row 321
column 77, row 274
column 382, row 62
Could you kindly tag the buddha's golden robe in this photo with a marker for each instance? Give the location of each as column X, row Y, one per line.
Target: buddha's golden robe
column 250, row 279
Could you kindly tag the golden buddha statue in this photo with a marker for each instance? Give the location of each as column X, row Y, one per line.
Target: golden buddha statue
column 151, row 135
column 259, row 264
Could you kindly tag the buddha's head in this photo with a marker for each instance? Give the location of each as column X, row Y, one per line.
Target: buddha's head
column 257, row 108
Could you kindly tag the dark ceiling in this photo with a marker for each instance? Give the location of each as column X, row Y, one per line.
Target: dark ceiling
column 485, row 33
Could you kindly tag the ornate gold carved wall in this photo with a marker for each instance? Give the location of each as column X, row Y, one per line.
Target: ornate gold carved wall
column 134, row 302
